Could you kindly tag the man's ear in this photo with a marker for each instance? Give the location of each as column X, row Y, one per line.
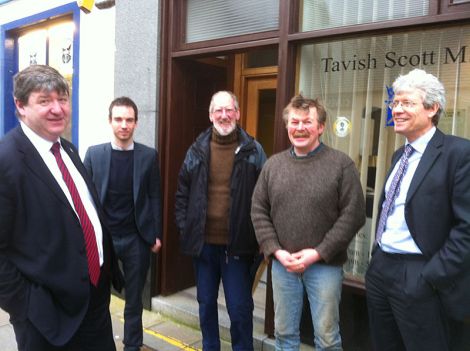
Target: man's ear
column 19, row 106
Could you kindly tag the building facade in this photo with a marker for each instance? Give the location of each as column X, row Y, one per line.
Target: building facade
column 171, row 55
column 107, row 52
column 347, row 53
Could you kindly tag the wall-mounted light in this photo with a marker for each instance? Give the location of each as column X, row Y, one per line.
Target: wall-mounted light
column 104, row 4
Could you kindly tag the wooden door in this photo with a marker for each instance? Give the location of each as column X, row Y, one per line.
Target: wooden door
column 260, row 106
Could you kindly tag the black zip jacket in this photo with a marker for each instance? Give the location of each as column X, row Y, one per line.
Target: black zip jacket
column 191, row 195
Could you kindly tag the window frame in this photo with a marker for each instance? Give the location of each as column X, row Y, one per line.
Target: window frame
column 9, row 33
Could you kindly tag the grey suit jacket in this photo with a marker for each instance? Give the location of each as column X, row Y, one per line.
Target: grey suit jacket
column 146, row 188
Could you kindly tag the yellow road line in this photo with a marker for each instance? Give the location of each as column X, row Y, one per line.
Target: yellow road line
column 172, row 341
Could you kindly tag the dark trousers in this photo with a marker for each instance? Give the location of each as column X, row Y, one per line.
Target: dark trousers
column 94, row 334
column 210, row 267
column 404, row 310
column 134, row 255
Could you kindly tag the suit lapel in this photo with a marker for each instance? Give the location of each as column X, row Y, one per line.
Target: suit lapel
column 137, row 167
column 36, row 165
column 430, row 155
column 105, row 169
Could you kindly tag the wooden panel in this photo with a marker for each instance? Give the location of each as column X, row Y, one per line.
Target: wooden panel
column 192, row 85
column 254, row 85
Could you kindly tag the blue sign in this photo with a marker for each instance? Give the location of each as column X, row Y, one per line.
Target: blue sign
column 391, row 94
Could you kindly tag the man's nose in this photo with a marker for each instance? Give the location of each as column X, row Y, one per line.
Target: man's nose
column 55, row 106
column 300, row 126
column 124, row 124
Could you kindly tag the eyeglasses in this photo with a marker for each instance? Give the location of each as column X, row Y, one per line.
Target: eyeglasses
column 404, row 104
column 220, row 111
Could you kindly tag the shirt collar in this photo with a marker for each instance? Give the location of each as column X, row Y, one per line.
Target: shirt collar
column 310, row 154
column 115, row 147
column 41, row 144
column 421, row 143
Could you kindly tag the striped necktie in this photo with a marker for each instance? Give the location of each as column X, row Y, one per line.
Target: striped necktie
column 87, row 227
column 393, row 192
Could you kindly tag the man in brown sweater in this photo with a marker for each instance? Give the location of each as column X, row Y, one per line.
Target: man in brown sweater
column 307, row 206
column 212, row 210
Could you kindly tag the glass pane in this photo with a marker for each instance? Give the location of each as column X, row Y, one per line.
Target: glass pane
column 61, row 57
column 212, row 19
column 51, row 46
column 353, row 78
column 321, row 14
column 61, row 48
column 261, row 58
column 32, row 48
column 266, row 112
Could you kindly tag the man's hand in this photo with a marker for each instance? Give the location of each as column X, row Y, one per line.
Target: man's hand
column 291, row 263
column 156, row 247
column 307, row 257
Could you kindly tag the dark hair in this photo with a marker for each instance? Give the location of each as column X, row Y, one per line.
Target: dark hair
column 301, row 103
column 123, row 101
column 38, row 78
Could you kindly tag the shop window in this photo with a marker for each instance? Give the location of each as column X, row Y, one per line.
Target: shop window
column 213, row 19
column 49, row 45
column 322, row 14
column 353, row 78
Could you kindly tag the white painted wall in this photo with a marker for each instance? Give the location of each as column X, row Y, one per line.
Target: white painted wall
column 96, row 75
column 97, row 50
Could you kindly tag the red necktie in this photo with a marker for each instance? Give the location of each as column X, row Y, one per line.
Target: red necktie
column 87, row 227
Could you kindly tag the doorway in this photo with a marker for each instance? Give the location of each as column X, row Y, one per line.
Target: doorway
column 252, row 76
column 255, row 85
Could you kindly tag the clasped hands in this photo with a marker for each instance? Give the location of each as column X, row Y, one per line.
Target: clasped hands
column 297, row 262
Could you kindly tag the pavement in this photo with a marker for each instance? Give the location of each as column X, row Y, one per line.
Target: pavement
column 172, row 325
column 160, row 332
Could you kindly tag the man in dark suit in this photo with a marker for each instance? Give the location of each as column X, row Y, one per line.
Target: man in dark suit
column 127, row 178
column 418, row 281
column 56, row 257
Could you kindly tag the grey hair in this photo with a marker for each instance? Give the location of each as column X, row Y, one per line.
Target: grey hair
column 232, row 95
column 431, row 89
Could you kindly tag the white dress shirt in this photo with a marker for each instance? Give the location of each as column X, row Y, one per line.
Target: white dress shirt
column 396, row 237
column 43, row 147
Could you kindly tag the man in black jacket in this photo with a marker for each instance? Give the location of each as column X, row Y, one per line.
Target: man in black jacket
column 418, row 280
column 213, row 204
column 56, row 254
column 127, row 178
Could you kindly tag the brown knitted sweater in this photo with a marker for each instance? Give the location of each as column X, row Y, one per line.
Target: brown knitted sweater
column 222, row 155
column 313, row 202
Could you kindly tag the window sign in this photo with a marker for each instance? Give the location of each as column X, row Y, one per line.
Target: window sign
column 353, row 78
column 61, row 48
column 49, row 45
column 32, row 49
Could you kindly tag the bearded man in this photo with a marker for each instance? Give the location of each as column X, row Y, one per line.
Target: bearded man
column 213, row 203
